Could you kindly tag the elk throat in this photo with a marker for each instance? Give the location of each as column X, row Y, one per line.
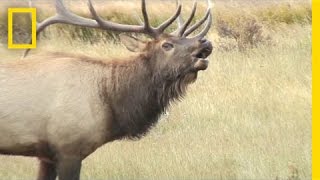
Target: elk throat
column 137, row 98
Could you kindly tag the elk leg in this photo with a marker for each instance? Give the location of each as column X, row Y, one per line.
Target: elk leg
column 69, row 168
column 47, row 171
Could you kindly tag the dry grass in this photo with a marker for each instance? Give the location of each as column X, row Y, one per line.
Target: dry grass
column 247, row 117
column 240, row 24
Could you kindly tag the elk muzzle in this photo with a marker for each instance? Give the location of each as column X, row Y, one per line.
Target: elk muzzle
column 201, row 55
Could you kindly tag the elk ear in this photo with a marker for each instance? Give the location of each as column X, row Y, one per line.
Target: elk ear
column 132, row 43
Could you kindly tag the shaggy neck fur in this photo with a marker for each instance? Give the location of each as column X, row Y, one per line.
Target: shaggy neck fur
column 139, row 94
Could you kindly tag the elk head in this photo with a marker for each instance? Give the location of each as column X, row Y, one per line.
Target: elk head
column 174, row 55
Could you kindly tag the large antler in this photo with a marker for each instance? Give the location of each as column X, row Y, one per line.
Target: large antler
column 146, row 28
column 66, row 17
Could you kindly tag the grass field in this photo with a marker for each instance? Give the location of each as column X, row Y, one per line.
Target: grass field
column 247, row 117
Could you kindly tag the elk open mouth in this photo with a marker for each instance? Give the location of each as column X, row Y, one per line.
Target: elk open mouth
column 204, row 53
column 201, row 58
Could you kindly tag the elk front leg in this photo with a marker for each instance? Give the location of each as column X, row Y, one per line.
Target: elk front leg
column 47, row 171
column 69, row 168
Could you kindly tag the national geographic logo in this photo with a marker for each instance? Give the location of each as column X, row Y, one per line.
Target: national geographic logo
column 25, row 12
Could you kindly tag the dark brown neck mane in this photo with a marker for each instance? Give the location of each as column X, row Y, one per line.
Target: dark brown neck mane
column 139, row 95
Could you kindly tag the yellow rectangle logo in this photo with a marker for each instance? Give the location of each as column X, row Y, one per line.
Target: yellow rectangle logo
column 33, row 13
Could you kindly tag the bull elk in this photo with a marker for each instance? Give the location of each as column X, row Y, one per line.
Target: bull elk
column 61, row 107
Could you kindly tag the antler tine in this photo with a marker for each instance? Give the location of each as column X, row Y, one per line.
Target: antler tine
column 145, row 15
column 182, row 29
column 179, row 19
column 208, row 24
column 168, row 22
column 198, row 24
column 206, row 29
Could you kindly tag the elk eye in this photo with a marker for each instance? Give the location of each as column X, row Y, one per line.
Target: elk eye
column 167, row 46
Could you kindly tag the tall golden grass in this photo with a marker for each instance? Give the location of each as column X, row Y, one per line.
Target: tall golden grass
column 247, row 117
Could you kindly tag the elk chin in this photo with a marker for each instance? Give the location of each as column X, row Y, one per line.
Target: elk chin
column 201, row 64
column 190, row 77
